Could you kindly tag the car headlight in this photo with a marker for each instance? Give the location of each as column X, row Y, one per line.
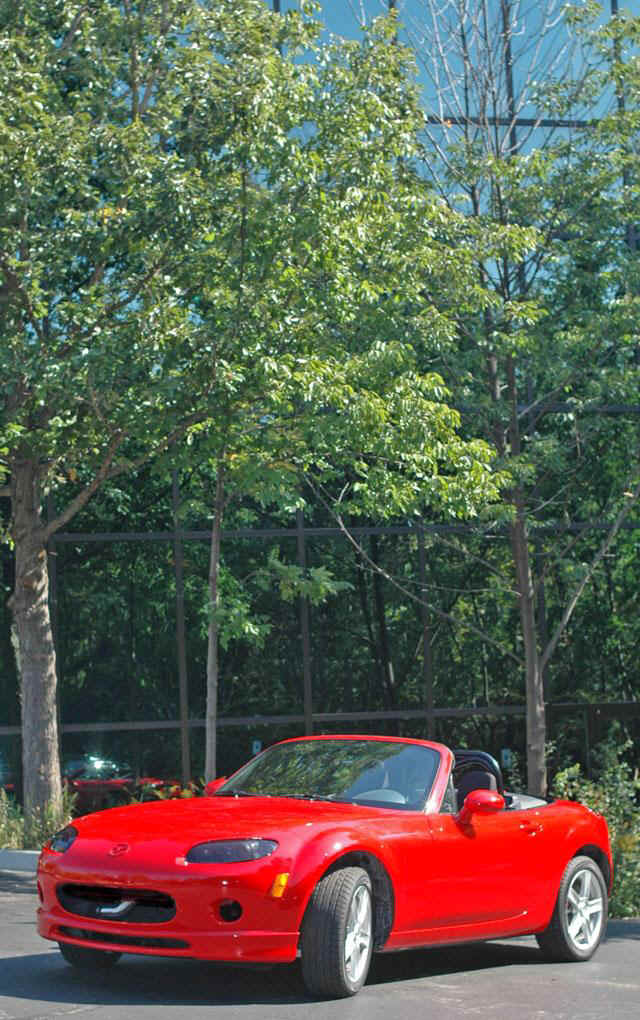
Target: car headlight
column 230, row 851
column 63, row 839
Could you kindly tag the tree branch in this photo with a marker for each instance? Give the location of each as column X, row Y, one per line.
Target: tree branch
column 169, row 440
column 163, row 29
column 405, row 591
column 67, row 42
column 85, row 495
column 632, row 499
column 133, row 63
column 14, row 284
column 116, row 306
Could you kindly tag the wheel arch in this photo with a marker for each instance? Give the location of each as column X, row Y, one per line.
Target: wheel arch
column 600, row 858
column 381, row 884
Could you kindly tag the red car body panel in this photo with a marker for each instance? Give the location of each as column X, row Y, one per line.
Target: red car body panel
column 497, row 875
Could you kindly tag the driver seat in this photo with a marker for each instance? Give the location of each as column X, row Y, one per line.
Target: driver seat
column 474, row 779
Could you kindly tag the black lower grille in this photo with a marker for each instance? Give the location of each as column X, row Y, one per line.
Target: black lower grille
column 143, row 942
column 111, row 903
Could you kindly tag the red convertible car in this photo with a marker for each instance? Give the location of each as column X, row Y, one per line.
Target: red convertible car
column 329, row 848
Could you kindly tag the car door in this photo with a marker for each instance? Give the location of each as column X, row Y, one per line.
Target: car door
column 470, row 880
column 479, row 872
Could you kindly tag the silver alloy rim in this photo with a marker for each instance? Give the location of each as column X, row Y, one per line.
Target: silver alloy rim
column 357, row 940
column 584, row 909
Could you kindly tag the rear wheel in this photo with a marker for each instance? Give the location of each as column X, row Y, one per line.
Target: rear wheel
column 88, row 959
column 580, row 915
column 337, row 936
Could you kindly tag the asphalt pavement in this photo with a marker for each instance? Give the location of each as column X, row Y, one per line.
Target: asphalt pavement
column 497, row 981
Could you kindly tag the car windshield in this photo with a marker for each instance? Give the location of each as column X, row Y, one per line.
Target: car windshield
column 389, row 774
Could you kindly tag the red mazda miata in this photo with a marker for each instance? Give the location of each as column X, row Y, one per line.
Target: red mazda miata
column 329, row 848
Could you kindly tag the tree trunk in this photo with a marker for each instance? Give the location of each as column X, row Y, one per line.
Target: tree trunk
column 35, row 648
column 213, row 645
column 373, row 644
column 536, row 722
column 427, row 650
column 384, row 644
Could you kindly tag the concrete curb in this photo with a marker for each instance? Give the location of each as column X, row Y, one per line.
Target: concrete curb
column 19, row 860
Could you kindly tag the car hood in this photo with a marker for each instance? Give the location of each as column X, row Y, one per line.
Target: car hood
column 214, row 817
column 131, row 838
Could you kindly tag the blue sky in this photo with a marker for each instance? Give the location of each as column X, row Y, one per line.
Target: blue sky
column 541, row 45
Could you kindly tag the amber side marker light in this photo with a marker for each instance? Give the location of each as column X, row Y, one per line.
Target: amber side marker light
column 279, row 885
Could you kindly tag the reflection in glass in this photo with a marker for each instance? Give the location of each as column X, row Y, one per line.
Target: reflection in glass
column 380, row 772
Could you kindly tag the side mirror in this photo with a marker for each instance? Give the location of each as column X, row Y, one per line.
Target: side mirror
column 214, row 785
column 480, row 802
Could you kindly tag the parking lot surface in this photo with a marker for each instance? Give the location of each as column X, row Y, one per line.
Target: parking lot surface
column 502, row 980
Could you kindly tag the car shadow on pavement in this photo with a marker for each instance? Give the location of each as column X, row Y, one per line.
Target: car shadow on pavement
column 426, row 963
column 45, row 977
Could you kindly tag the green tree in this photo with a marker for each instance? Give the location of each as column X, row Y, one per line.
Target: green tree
column 98, row 208
column 558, row 337
column 324, row 280
column 103, row 190
column 203, row 220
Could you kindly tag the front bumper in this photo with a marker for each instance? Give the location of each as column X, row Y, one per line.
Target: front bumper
column 240, row 946
column 267, row 930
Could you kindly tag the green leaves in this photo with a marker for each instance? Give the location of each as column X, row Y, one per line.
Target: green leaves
column 292, row 581
column 211, row 230
column 613, row 794
column 384, row 443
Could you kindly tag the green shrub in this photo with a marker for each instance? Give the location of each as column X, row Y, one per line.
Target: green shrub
column 11, row 823
column 16, row 835
column 614, row 794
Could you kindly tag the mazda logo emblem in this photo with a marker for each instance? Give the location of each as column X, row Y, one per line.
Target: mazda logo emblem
column 119, row 848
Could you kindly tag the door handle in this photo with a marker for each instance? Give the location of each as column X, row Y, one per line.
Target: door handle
column 530, row 828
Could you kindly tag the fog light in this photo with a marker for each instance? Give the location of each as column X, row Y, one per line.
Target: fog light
column 230, row 910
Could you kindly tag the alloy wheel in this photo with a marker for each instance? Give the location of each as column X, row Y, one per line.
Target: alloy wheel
column 358, row 934
column 584, row 909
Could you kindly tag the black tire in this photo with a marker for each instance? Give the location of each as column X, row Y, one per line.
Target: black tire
column 579, row 918
column 337, row 934
column 88, row 959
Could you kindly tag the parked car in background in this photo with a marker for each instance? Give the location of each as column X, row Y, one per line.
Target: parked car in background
column 100, row 783
column 330, row 848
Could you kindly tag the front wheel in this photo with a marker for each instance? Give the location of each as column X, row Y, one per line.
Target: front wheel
column 337, row 935
column 88, row 959
column 580, row 915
